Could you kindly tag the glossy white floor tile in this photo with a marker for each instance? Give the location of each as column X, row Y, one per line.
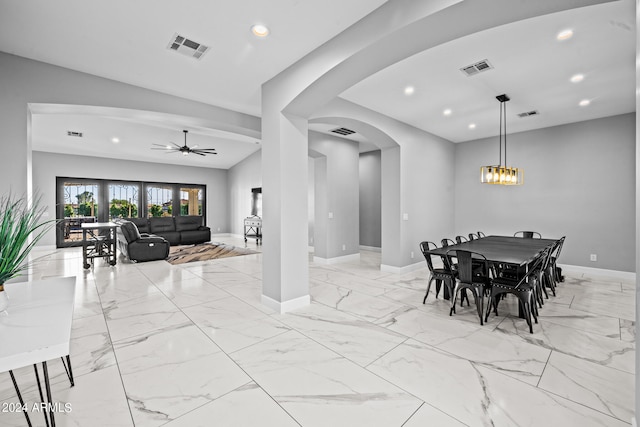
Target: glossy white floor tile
column 155, row 344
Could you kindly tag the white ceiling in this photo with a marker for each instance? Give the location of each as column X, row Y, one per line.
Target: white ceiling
column 127, row 41
column 530, row 66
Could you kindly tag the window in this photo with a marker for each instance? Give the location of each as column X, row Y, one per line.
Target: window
column 124, row 200
column 159, row 200
column 97, row 200
column 80, row 203
column 191, row 201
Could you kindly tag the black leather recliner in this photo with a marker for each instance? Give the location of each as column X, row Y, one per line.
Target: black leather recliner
column 141, row 247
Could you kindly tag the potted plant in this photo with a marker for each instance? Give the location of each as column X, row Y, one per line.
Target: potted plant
column 21, row 229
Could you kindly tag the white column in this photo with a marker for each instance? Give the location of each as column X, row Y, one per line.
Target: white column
column 285, row 275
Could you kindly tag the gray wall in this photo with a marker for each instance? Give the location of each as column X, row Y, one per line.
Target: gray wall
column 24, row 81
column 579, row 182
column 48, row 166
column 244, row 176
column 336, row 192
column 370, row 199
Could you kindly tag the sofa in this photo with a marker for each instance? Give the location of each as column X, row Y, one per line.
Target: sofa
column 178, row 230
column 140, row 247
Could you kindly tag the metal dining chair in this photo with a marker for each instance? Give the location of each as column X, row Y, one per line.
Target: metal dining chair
column 444, row 275
column 461, row 239
column 481, row 234
column 523, row 289
column 470, row 277
column 473, row 236
column 447, row 242
column 555, row 254
column 528, row 234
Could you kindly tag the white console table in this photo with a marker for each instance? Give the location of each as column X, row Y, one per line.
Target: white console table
column 36, row 327
column 253, row 228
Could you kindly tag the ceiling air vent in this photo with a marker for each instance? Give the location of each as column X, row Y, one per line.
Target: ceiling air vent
column 187, row 47
column 74, row 133
column 343, row 131
column 529, row 113
column 478, row 67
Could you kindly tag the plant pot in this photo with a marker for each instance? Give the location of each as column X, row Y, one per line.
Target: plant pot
column 4, row 301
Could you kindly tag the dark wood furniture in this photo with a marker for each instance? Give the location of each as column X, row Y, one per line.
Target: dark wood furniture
column 502, row 249
column 98, row 241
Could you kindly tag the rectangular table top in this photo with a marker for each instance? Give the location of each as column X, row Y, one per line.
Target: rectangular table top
column 504, row 249
column 95, row 225
column 37, row 324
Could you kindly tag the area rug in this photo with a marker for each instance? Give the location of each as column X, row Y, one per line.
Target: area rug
column 205, row 252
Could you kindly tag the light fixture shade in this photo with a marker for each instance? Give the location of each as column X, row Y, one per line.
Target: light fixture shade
column 501, row 175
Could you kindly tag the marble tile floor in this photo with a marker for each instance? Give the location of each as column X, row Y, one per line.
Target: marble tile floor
column 191, row 345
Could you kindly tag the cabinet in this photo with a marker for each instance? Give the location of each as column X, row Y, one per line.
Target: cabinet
column 253, row 228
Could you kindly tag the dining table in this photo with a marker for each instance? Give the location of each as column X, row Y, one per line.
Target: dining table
column 511, row 250
column 500, row 250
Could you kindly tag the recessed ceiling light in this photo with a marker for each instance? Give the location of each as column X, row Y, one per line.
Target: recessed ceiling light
column 564, row 35
column 447, row 112
column 577, row 78
column 584, row 102
column 409, row 90
column 115, row 140
column 260, row 30
column 472, row 125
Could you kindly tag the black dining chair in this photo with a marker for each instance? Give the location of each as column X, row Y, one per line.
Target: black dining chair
column 481, row 234
column 547, row 277
column 447, row 242
column 441, row 275
column 523, row 289
column 470, row 277
column 461, row 239
column 473, row 236
column 528, row 234
column 555, row 254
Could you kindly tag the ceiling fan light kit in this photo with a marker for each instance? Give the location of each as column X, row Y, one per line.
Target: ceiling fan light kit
column 185, row 149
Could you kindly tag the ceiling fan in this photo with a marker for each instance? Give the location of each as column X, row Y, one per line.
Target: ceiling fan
column 185, row 150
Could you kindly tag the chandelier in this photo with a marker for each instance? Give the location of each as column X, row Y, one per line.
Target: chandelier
column 502, row 174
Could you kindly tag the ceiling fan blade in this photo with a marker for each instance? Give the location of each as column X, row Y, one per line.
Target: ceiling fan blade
column 196, row 152
column 168, row 150
column 179, row 146
column 207, row 150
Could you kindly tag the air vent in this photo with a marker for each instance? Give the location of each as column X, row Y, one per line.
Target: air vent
column 529, row 113
column 478, row 67
column 343, row 131
column 187, row 47
column 74, row 133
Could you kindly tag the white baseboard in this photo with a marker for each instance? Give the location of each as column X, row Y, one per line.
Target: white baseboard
column 286, row 306
column 370, row 248
column 402, row 270
column 590, row 271
column 337, row 260
column 226, row 235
